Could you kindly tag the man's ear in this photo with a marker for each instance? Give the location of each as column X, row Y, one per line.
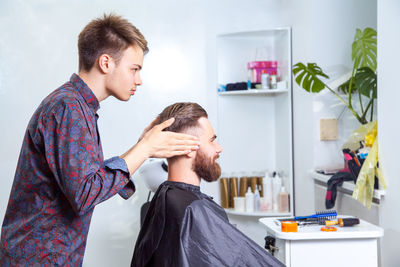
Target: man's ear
column 105, row 63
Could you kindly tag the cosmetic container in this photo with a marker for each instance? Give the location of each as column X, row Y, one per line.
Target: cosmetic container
column 256, row 200
column 283, row 200
column 276, row 188
column 264, row 80
column 249, row 201
column 266, row 204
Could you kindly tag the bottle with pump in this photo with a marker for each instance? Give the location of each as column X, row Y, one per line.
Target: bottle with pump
column 283, row 200
column 276, row 188
column 257, row 200
column 249, row 200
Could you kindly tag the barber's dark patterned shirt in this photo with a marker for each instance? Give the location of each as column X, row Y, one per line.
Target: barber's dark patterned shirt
column 60, row 177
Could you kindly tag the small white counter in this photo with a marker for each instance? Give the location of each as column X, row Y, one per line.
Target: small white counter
column 348, row 246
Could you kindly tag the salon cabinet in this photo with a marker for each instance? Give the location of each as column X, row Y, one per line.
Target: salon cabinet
column 255, row 126
column 309, row 246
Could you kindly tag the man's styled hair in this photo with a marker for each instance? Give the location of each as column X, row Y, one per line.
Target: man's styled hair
column 186, row 116
column 110, row 34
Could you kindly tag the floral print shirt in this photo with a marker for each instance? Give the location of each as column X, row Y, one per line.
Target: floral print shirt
column 60, row 177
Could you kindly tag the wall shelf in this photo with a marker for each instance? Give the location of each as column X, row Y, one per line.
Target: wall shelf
column 255, row 92
column 349, row 186
column 258, row 213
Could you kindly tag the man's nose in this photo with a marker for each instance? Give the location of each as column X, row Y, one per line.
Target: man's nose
column 219, row 148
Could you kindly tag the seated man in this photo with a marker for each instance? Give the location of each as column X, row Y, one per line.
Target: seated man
column 184, row 227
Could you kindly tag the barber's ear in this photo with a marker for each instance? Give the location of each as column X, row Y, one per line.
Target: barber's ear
column 105, row 62
column 191, row 154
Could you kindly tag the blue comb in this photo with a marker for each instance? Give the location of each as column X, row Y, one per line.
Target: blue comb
column 329, row 214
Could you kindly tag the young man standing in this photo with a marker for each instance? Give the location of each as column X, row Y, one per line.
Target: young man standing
column 61, row 174
column 183, row 226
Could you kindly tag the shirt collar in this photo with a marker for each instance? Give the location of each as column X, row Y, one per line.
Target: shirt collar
column 85, row 92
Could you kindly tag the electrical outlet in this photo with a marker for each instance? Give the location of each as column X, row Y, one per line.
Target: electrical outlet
column 328, row 129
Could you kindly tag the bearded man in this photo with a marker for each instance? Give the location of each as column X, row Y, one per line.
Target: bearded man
column 184, row 227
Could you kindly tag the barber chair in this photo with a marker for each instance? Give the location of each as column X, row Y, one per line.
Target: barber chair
column 154, row 173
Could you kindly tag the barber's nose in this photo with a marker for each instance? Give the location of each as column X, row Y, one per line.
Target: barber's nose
column 138, row 79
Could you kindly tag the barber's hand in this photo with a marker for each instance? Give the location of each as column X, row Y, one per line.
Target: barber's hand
column 166, row 144
column 152, row 124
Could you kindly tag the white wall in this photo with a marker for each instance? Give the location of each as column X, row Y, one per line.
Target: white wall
column 38, row 53
column 389, row 127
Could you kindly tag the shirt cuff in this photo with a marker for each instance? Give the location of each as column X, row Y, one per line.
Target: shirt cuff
column 117, row 163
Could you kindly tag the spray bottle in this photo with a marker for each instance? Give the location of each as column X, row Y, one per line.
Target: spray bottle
column 249, row 200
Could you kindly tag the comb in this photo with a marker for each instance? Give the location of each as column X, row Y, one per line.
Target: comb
column 326, row 215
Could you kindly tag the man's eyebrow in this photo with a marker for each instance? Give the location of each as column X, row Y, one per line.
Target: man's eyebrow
column 139, row 66
column 213, row 138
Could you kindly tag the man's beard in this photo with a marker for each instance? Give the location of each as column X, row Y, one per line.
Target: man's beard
column 206, row 168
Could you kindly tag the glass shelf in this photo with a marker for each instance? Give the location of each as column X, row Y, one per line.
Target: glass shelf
column 323, row 178
column 258, row 213
column 255, row 92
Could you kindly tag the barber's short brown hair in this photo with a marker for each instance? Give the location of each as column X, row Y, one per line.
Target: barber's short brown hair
column 110, row 34
column 186, row 114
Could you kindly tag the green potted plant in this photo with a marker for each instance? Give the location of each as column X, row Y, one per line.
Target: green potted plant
column 361, row 85
column 363, row 80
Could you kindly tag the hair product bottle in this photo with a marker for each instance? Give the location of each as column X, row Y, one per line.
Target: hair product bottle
column 249, row 200
column 224, row 186
column 256, row 200
column 276, row 188
column 283, row 200
column 267, row 186
column 233, row 181
column 264, row 80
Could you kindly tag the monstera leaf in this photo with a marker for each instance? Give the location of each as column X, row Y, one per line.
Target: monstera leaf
column 307, row 77
column 363, row 78
column 344, row 87
column 366, row 81
column 364, row 49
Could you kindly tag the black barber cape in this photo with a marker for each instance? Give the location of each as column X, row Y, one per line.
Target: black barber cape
column 184, row 227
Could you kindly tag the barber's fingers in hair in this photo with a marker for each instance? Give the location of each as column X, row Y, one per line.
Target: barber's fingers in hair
column 153, row 123
column 149, row 127
column 166, row 123
column 183, row 137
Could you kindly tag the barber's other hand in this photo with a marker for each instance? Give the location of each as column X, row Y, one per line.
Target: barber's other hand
column 164, row 144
